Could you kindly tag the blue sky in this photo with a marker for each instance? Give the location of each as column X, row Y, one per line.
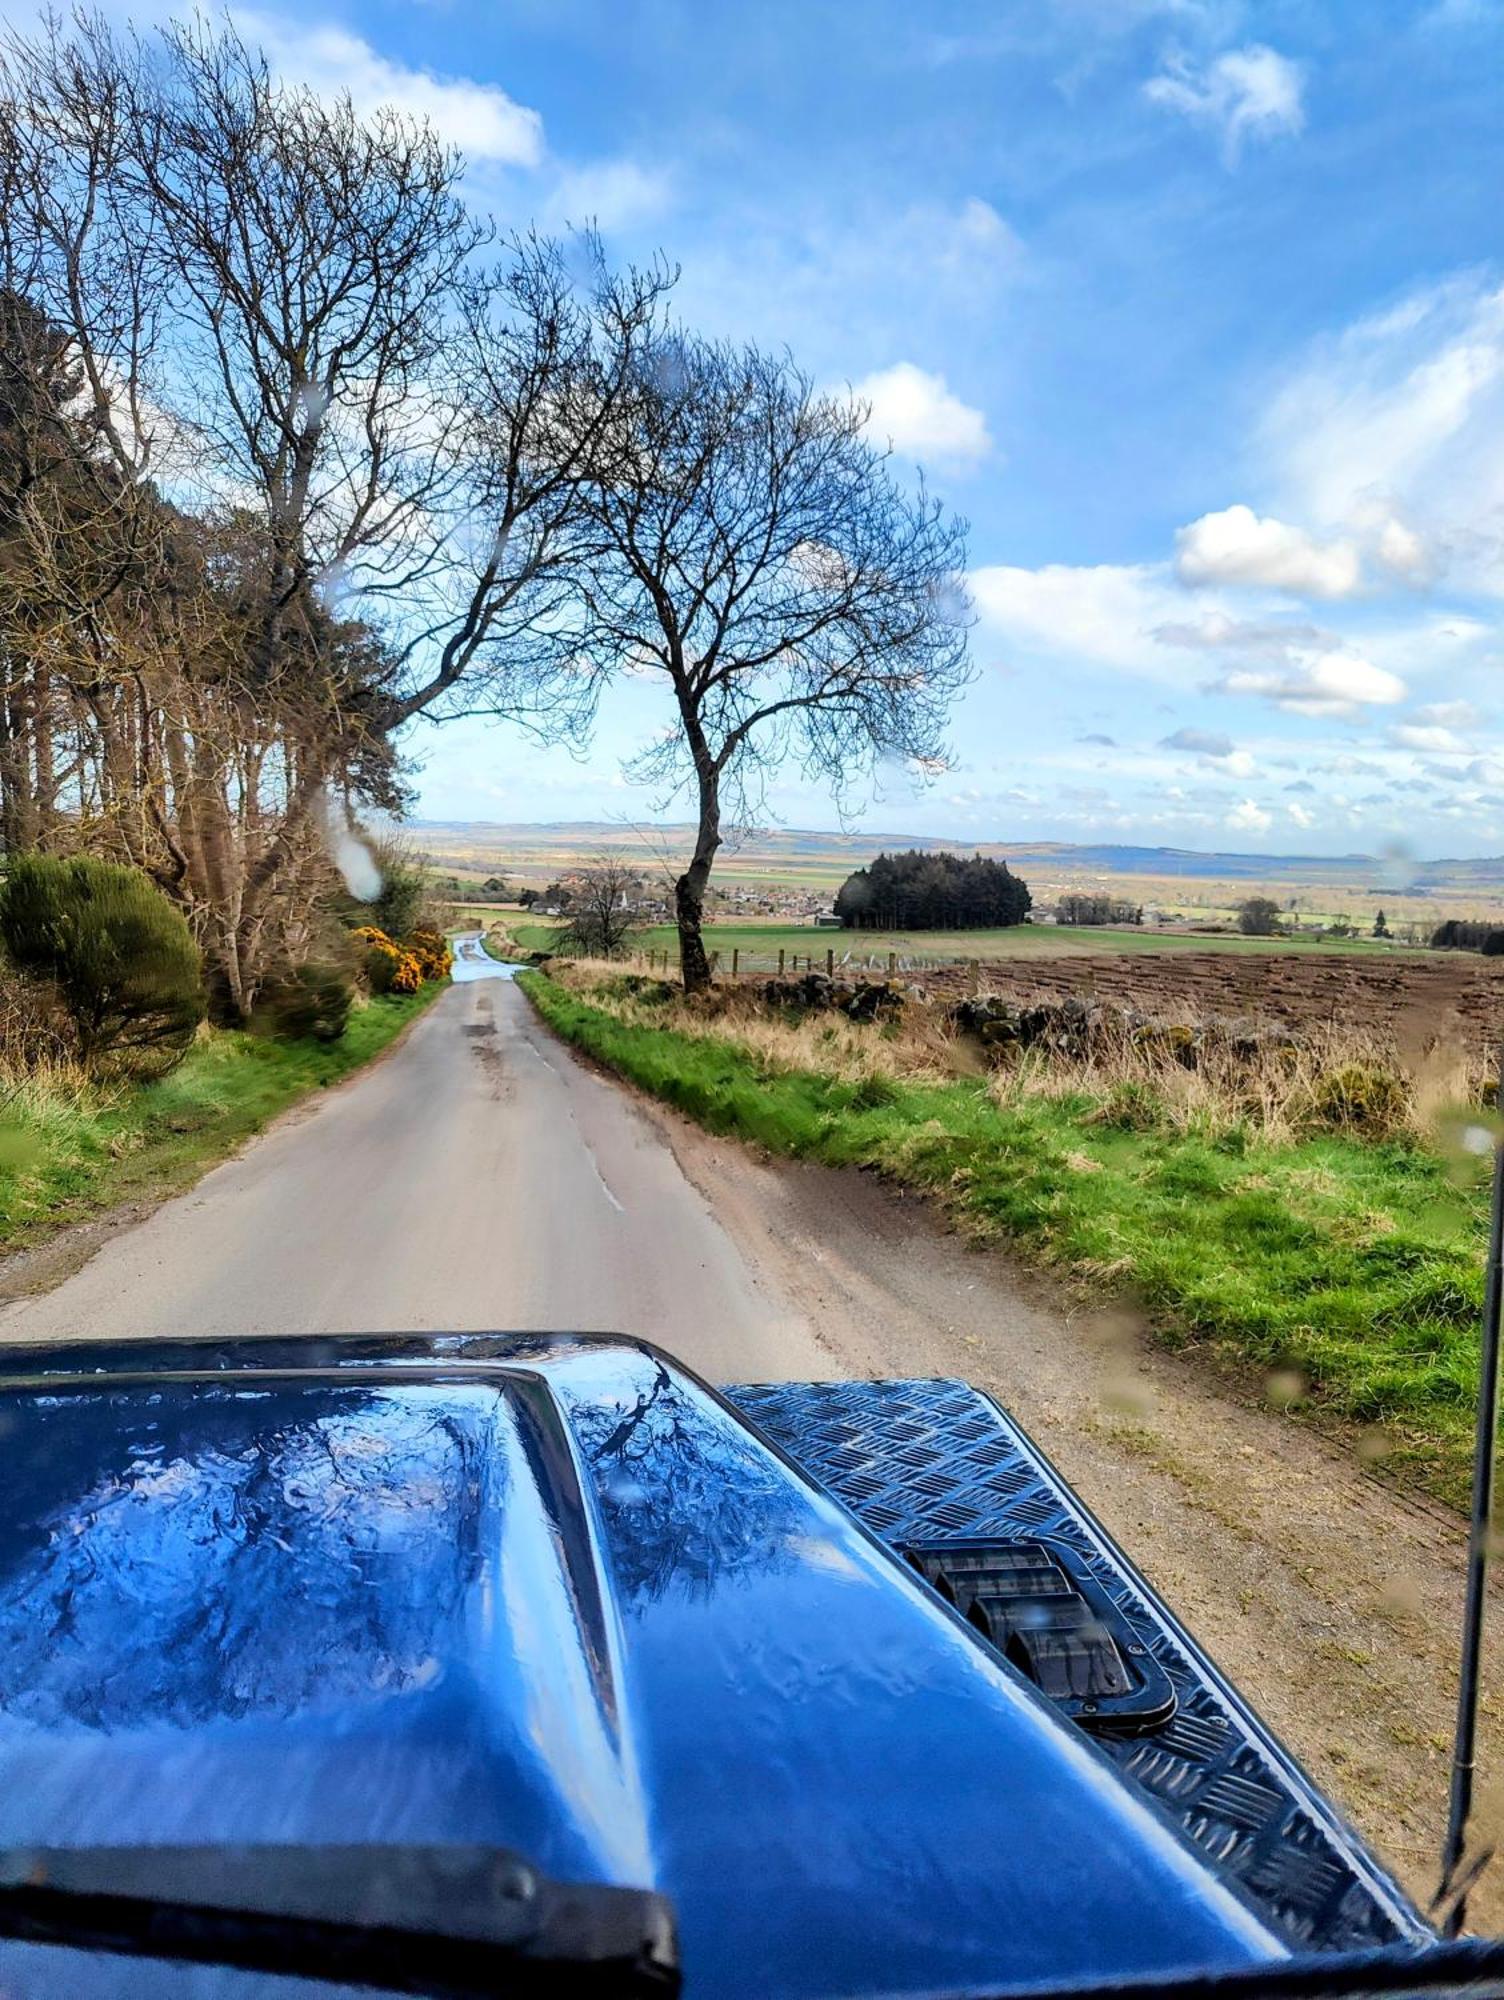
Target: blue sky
column 1194, row 308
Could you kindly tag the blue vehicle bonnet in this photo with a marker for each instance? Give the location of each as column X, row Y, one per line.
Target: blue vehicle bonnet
column 553, row 1595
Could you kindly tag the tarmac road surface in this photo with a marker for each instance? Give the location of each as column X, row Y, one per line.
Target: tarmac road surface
column 476, row 1177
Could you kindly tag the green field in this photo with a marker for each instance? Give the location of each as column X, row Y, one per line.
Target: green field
column 1352, row 1270
column 757, row 946
column 791, row 872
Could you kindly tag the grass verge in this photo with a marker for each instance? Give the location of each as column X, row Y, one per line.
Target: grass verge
column 69, row 1151
column 1350, row 1272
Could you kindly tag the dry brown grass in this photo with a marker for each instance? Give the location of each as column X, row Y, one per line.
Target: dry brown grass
column 919, row 1048
column 1330, row 1078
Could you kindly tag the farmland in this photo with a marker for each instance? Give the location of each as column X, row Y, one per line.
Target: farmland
column 1410, row 996
column 758, row 945
column 786, row 867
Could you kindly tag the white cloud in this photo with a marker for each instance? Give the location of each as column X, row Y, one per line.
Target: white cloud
column 1132, row 618
column 1249, row 817
column 1395, row 429
column 918, row 415
column 1460, row 13
column 1214, row 631
column 1252, row 92
column 1105, row 614
column 1331, row 684
column 1416, row 736
column 614, row 194
column 1237, row 546
column 1214, row 751
column 1450, row 715
column 479, row 118
column 1199, row 743
column 978, row 230
column 1442, row 647
column 1301, row 817
column 1402, row 552
column 847, row 267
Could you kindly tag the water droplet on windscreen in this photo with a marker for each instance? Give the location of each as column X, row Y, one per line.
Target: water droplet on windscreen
column 1284, row 1387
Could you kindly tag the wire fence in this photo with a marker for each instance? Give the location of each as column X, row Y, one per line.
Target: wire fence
column 785, row 963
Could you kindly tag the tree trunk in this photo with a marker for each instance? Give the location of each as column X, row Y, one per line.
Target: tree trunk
column 689, row 889
column 18, row 830
column 43, row 724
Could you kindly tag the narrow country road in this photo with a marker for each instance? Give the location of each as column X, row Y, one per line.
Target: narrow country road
column 480, row 1176
column 477, row 1177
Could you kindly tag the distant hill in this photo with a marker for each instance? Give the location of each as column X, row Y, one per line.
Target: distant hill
column 546, row 843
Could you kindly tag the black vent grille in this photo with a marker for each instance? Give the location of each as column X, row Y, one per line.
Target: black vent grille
column 1044, row 1611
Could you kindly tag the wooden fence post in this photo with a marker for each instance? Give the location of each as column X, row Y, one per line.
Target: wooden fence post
column 830, row 962
column 715, row 960
column 892, row 963
column 736, row 962
column 780, row 964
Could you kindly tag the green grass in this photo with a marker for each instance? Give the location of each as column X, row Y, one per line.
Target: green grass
column 494, row 948
column 67, row 1155
column 1357, row 1266
column 758, row 944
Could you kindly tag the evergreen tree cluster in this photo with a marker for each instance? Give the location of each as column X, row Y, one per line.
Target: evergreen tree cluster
column 917, row 891
column 1468, row 934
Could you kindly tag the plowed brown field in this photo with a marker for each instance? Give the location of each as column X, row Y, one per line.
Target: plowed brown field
column 1416, row 1001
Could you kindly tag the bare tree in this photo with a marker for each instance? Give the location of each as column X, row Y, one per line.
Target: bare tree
column 288, row 378
column 546, row 348
column 321, row 472
column 757, row 553
column 603, row 917
column 250, row 287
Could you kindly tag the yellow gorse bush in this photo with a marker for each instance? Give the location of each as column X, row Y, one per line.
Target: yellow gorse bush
column 431, row 949
column 402, row 968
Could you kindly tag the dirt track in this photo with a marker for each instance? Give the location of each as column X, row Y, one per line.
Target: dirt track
column 481, row 1177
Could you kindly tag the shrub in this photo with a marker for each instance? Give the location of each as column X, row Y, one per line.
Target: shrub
column 1258, row 916
column 399, row 968
column 35, row 1031
column 1131, row 1105
column 404, row 889
column 310, row 1001
column 380, row 968
column 431, row 949
column 122, row 959
column 1363, row 1098
column 383, row 960
column 873, row 1092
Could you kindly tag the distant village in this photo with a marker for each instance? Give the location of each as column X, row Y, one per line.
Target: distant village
column 650, row 901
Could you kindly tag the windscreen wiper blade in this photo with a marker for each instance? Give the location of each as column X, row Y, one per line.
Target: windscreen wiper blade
column 448, row 1922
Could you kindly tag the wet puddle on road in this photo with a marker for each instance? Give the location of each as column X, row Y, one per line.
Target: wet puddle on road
column 473, row 961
